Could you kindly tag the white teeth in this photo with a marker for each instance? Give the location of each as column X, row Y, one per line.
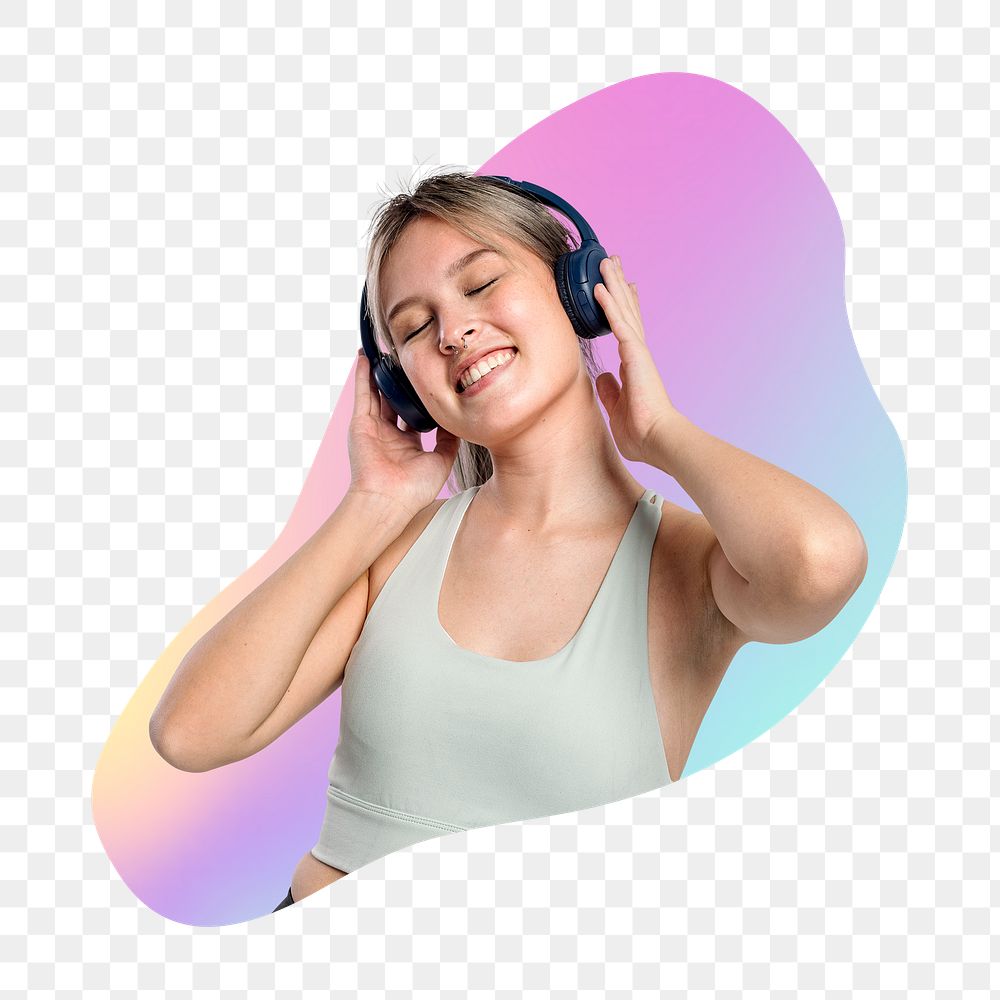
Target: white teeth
column 483, row 366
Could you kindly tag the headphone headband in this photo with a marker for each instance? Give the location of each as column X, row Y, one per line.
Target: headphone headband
column 553, row 200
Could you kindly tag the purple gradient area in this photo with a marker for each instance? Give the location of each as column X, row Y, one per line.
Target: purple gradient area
column 720, row 218
column 738, row 252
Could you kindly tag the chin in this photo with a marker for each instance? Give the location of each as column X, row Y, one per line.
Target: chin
column 513, row 405
column 511, row 416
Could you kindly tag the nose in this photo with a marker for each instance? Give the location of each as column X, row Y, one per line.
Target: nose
column 450, row 341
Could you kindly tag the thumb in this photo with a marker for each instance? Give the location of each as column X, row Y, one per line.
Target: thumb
column 608, row 390
column 446, row 444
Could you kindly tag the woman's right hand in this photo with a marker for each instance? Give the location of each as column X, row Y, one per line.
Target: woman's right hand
column 388, row 462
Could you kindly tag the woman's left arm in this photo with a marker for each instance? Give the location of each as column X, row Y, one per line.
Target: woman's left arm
column 786, row 557
column 782, row 557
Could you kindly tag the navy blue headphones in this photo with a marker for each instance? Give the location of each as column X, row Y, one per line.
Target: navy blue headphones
column 577, row 273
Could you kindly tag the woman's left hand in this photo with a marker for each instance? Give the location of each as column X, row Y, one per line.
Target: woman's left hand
column 639, row 404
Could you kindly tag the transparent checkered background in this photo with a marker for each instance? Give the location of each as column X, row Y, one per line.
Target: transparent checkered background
column 197, row 195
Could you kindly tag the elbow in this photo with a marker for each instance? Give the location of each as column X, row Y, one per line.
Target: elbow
column 165, row 744
column 861, row 566
column 834, row 569
column 175, row 748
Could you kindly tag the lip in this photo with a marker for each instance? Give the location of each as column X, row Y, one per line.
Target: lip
column 478, row 356
column 489, row 378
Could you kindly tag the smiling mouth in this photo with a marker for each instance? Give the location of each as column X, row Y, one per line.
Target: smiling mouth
column 460, row 387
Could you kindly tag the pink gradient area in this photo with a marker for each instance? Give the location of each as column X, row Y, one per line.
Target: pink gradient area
column 738, row 252
column 198, row 847
column 721, row 220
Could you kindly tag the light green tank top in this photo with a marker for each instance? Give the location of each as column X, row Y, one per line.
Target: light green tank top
column 435, row 738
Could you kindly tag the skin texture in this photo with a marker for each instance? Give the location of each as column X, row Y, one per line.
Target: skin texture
column 774, row 560
column 555, row 463
column 552, row 454
column 783, row 558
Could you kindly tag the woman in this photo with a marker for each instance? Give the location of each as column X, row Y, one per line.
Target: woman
column 555, row 631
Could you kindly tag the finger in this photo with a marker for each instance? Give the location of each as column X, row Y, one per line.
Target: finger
column 616, row 291
column 386, row 412
column 446, row 444
column 638, row 311
column 627, row 296
column 619, row 326
column 362, row 386
column 608, row 391
column 379, row 408
column 613, row 277
column 629, row 302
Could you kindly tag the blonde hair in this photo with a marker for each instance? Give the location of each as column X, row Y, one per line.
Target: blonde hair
column 477, row 207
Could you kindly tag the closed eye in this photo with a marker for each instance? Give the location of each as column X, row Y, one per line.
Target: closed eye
column 474, row 291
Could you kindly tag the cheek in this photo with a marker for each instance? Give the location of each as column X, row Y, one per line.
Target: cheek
column 430, row 382
column 515, row 313
column 547, row 333
column 538, row 319
column 416, row 373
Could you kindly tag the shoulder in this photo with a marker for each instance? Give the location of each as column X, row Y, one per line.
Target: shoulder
column 382, row 568
column 680, row 584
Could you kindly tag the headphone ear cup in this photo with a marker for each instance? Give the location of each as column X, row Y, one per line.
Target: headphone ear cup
column 566, row 296
column 393, row 383
column 577, row 274
column 390, row 379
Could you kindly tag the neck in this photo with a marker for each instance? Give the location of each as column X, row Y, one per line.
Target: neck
column 566, row 465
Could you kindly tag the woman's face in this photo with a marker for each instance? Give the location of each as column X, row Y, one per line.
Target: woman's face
column 438, row 284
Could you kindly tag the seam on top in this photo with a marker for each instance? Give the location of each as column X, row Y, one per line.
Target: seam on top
column 395, row 813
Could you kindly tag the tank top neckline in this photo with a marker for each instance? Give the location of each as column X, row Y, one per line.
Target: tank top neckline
column 649, row 497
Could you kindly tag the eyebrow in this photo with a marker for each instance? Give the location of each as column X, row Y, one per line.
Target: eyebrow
column 454, row 268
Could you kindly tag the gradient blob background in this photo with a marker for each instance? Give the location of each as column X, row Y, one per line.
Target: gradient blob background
column 738, row 251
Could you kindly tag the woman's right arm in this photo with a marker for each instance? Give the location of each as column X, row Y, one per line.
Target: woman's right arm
column 247, row 680
column 252, row 676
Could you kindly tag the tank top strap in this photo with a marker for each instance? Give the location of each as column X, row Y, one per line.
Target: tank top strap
column 452, row 513
column 410, row 592
column 431, row 559
column 635, row 545
column 622, row 597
